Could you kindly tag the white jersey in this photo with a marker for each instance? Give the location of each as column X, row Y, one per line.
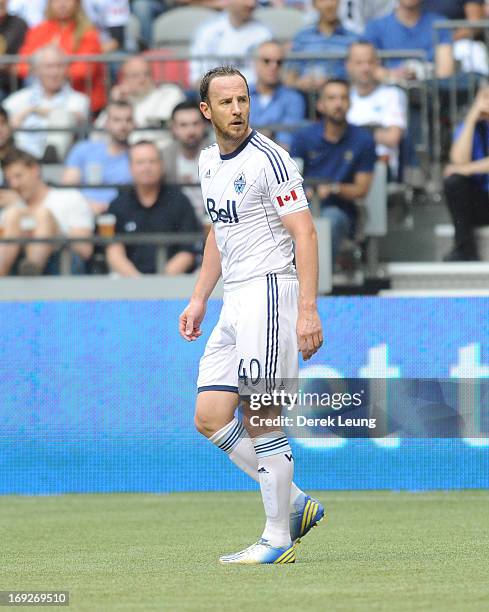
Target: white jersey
column 245, row 194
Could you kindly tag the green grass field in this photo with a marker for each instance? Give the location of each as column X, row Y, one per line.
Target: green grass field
column 377, row 551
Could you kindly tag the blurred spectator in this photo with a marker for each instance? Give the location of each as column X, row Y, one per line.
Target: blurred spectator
column 6, row 137
column 272, row 102
column 49, row 102
column 7, row 196
column 31, row 11
column 152, row 105
column 147, row 11
column 111, row 18
column 472, row 54
column 99, row 163
column 341, row 154
column 467, row 178
column 409, row 28
column 181, row 157
column 234, row 34
column 328, row 35
column 355, row 14
column 150, row 206
column 456, row 9
column 12, row 33
column 49, row 212
column 68, row 27
column 381, row 108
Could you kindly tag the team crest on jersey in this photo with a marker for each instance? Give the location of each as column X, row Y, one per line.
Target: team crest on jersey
column 240, row 183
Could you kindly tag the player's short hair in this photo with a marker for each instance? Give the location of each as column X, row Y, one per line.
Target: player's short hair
column 213, row 73
column 186, row 105
column 17, row 156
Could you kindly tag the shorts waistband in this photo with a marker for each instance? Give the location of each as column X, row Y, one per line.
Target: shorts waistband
column 258, row 279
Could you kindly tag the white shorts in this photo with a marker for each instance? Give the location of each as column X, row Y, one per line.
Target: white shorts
column 254, row 344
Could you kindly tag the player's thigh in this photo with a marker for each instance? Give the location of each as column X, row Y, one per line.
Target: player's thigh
column 217, row 366
column 217, row 382
column 266, row 338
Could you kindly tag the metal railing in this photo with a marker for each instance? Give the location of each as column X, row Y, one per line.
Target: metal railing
column 181, row 59
column 160, row 240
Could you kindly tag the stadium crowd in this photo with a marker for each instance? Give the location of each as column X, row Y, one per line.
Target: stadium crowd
column 124, row 135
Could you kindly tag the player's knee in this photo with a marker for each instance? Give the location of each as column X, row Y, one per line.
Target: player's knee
column 204, row 423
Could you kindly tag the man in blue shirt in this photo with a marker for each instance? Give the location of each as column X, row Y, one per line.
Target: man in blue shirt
column 97, row 163
column 467, row 178
column 341, row 154
column 326, row 36
column 272, row 102
column 409, row 28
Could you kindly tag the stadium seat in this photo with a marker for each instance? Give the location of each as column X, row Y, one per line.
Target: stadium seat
column 284, row 22
column 166, row 69
column 371, row 225
column 375, row 204
column 134, row 30
column 53, row 173
column 177, row 26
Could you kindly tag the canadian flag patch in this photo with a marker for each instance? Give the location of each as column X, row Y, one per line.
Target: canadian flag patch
column 282, row 200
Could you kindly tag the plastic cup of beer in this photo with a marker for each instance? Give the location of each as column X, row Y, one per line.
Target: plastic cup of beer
column 106, row 225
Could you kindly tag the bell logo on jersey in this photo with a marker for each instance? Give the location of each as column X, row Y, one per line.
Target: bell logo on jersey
column 282, row 200
column 225, row 215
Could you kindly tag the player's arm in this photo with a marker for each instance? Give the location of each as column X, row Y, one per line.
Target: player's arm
column 309, row 331
column 210, row 272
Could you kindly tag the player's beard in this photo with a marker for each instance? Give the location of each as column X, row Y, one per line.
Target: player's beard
column 232, row 136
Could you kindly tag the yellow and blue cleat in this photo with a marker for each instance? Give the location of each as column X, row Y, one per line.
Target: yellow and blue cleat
column 261, row 553
column 302, row 521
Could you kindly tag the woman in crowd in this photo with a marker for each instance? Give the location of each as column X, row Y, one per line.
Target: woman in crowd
column 68, row 27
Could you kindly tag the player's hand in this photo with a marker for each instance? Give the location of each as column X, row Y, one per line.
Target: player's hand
column 309, row 332
column 190, row 320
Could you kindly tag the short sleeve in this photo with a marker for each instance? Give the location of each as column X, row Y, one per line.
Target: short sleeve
column 76, row 157
column 115, row 208
column 371, row 34
column 367, row 157
column 283, row 183
column 185, row 222
column 297, row 148
column 116, row 13
column 396, row 109
column 80, row 213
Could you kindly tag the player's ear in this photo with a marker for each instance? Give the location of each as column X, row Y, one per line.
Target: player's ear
column 205, row 110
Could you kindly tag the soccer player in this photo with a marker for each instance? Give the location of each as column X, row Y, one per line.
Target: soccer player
column 254, row 197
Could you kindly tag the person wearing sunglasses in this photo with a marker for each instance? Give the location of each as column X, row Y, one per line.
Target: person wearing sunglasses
column 272, row 102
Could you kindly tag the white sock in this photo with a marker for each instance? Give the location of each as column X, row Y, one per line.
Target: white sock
column 236, row 442
column 275, row 470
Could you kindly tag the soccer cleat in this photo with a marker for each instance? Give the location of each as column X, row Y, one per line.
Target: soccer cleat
column 304, row 520
column 260, row 553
